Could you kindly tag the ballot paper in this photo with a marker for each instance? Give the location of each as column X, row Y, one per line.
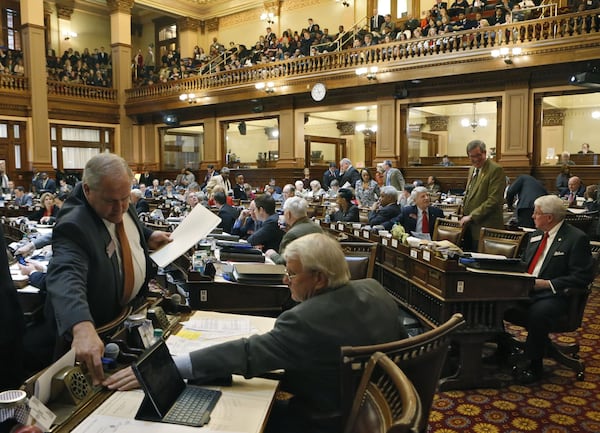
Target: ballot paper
column 196, row 226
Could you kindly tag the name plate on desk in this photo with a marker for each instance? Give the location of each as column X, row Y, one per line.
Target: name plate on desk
column 340, row 227
column 357, row 233
column 366, row 234
column 414, row 253
column 385, row 241
column 426, row 255
column 395, row 243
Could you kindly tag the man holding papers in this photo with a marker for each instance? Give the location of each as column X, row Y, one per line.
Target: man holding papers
column 100, row 257
column 306, row 339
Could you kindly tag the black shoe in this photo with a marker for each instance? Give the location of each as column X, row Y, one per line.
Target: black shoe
column 528, row 376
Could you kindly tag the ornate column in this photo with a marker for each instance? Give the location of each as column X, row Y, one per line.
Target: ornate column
column 386, row 134
column 120, row 43
column 187, row 32
column 34, row 52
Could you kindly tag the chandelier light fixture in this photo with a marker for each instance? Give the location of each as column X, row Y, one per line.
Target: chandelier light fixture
column 268, row 17
column 268, row 87
column 370, row 72
column 367, row 128
column 474, row 122
column 191, row 98
column 507, row 54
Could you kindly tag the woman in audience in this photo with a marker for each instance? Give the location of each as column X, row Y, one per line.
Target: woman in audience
column 367, row 189
column 347, row 211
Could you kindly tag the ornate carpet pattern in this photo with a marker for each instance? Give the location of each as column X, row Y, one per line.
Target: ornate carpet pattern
column 560, row 403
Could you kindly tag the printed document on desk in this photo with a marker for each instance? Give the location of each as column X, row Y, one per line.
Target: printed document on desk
column 196, row 226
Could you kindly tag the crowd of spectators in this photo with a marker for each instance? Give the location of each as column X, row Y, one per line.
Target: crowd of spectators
column 11, row 62
column 89, row 68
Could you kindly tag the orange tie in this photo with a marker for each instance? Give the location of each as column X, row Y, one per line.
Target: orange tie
column 538, row 253
column 127, row 261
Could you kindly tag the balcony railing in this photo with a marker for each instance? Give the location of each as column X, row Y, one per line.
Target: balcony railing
column 392, row 56
column 92, row 93
column 13, row 82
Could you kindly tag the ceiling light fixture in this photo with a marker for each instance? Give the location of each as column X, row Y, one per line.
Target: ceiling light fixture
column 370, row 73
column 344, row 3
column 366, row 128
column 189, row 97
column 507, row 54
column 268, row 87
column 268, row 17
column 474, row 122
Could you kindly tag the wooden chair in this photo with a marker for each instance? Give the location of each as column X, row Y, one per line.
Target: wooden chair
column 421, row 358
column 448, row 209
column 449, row 230
column 504, row 242
column 386, row 401
column 360, row 257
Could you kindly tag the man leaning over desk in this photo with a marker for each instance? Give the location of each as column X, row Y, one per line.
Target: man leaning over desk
column 306, row 339
column 93, row 273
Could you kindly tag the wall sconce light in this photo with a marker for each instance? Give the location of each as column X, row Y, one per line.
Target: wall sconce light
column 68, row 34
column 370, row 73
column 507, row 54
column 344, row 3
column 268, row 87
column 189, row 97
column 268, row 17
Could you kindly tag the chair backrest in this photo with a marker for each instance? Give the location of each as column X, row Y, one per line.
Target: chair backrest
column 421, row 358
column 360, row 257
column 386, row 400
column 581, row 221
column 449, row 230
column 448, row 209
column 505, row 242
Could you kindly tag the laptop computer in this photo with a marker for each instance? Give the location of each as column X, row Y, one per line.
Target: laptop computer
column 168, row 398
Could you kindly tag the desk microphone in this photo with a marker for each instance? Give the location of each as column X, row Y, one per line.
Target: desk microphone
column 111, row 353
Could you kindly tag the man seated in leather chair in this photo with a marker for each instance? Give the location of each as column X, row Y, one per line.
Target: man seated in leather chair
column 559, row 257
column 305, row 340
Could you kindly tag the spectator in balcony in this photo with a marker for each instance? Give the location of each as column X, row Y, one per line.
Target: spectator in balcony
column 18, row 68
column 102, row 57
column 499, row 17
column 478, row 5
column 306, row 43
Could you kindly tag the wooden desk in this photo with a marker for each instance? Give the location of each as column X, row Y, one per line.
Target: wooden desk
column 218, row 294
column 436, row 288
column 242, row 408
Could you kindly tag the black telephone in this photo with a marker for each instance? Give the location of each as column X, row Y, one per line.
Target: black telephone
column 70, row 386
column 158, row 317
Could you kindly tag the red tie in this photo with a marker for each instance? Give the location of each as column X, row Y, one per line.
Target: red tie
column 538, row 253
column 127, row 262
column 425, row 228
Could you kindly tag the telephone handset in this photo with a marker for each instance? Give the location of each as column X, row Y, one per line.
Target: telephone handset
column 70, row 386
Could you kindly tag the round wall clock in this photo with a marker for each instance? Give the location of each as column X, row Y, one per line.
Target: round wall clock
column 318, row 91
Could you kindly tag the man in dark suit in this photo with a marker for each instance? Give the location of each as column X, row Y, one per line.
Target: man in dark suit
column 526, row 188
column 146, row 178
column 305, row 340
column 348, row 174
column 22, row 198
column 269, row 235
column 100, row 259
column 559, row 257
column 375, row 21
column 239, row 192
column 330, row 174
column 227, row 213
column 45, row 184
column 12, row 327
column 420, row 218
column 295, row 213
column 386, row 210
column 576, row 189
column 484, row 197
column 138, row 201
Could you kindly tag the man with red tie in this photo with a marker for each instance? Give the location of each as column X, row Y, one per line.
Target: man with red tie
column 420, row 218
column 559, row 257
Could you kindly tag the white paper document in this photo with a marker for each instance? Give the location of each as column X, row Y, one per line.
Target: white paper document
column 199, row 223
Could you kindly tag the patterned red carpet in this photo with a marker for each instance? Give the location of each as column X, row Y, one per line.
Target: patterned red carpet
column 558, row 404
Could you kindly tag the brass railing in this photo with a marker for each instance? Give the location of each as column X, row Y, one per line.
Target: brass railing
column 391, row 56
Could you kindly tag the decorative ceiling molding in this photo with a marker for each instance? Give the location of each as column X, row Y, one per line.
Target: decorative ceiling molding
column 438, row 123
column 346, row 128
column 553, row 117
column 187, row 23
column 64, row 9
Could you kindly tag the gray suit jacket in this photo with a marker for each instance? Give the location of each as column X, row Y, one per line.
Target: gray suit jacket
column 395, row 179
column 301, row 228
column 306, row 341
column 84, row 280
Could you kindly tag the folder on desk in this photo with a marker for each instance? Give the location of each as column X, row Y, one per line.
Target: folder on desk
column 258, row 273
column 493, row 264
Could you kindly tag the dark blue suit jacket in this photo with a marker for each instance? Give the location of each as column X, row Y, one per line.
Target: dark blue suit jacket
column 527, row 188
column 269, row 235
column 408, row 218
column 569, row 260
column 228, row 215
column 384, row 215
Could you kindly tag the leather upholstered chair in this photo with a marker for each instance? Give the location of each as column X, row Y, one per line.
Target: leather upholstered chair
column 421, row 358
column 449, row 230
column 360, row 257
column 386, row 400
column 503, row 242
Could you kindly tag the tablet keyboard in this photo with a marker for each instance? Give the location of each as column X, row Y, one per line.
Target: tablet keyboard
column 193, row 406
